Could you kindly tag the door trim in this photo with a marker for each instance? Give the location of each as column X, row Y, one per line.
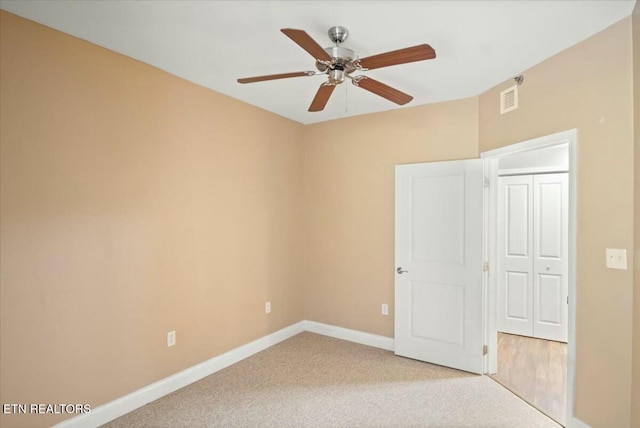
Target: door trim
column 491, row 158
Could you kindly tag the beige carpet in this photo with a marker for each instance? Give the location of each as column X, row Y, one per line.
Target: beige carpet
column 316, row 381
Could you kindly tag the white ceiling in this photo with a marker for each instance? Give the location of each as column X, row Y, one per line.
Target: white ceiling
column 478, row 43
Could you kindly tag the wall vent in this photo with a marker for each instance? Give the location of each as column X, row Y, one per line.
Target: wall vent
column 509, row 99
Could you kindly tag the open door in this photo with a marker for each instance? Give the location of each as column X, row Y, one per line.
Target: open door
column 438, row 253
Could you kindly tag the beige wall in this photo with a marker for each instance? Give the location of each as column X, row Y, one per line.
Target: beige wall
column 133, row 203
column 588, row 87
column 349, row 176
column 635, row 394
column 128, row 191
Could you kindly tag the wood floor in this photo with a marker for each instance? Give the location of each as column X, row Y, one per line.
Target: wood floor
column 536, row 370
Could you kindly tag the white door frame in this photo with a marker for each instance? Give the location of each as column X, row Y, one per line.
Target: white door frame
column 491, row 158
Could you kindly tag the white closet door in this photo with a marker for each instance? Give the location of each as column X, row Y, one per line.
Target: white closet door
column 550, row 265
column 515, row 255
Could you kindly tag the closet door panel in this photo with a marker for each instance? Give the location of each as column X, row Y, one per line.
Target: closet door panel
column 550, row 261
column 515, row 255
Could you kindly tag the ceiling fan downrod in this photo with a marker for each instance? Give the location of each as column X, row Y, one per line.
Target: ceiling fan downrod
column 338, row 34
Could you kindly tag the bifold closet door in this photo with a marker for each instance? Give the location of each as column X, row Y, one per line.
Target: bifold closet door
column 551, row 256
column 533, row 255
column 515, row 255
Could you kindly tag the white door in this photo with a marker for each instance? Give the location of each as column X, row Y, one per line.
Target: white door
column 551, row 256
column 438, row 287
column 515, row 250
column 533, row 255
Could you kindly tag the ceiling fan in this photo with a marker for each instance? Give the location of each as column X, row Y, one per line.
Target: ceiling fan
column 339, row 63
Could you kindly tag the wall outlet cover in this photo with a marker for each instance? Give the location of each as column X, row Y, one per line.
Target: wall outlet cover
column 171, row 338
column 616, row 258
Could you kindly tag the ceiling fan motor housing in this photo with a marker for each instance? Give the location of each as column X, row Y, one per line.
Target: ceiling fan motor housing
column 343, row 59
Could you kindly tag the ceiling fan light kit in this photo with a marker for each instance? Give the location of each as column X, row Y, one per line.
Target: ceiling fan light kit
column 338, row 63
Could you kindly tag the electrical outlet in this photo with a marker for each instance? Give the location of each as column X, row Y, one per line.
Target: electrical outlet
column 171, row 338
column 616, row 258
column 267, row 307
column 385, row 309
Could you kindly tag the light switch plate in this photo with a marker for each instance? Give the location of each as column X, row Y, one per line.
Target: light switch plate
column 616, row 258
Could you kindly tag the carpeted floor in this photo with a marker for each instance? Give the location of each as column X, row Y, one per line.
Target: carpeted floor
column 317, row 381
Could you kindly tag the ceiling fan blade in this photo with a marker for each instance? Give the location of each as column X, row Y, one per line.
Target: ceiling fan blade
column 382, row 90
column 322, row 96
column 307, row 43
column 275, row 76
column 401, row 56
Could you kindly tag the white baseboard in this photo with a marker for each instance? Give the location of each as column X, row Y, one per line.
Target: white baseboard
column 577, row 423
column 350, row 335
column 121, row 406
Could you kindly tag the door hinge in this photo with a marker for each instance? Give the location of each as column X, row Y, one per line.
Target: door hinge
column 567, row 300
column 485, row 267
column 485, row 349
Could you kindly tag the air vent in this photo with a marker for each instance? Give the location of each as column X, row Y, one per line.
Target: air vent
column 509, row 99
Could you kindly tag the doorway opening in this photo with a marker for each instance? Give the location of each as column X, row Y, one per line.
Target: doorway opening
column 530, row 293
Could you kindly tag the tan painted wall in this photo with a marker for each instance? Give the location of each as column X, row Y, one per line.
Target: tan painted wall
column 588, row 87
column 133, row 203
column 127, row 190
column 635, row 392
column 349, row 176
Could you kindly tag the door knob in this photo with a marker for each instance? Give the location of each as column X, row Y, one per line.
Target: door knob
column 401, row 271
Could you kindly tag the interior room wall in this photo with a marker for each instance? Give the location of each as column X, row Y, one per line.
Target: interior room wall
column 349, row 176
column 133, row 203
column 127, row 190
column 635, row 396
column 588, row 87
